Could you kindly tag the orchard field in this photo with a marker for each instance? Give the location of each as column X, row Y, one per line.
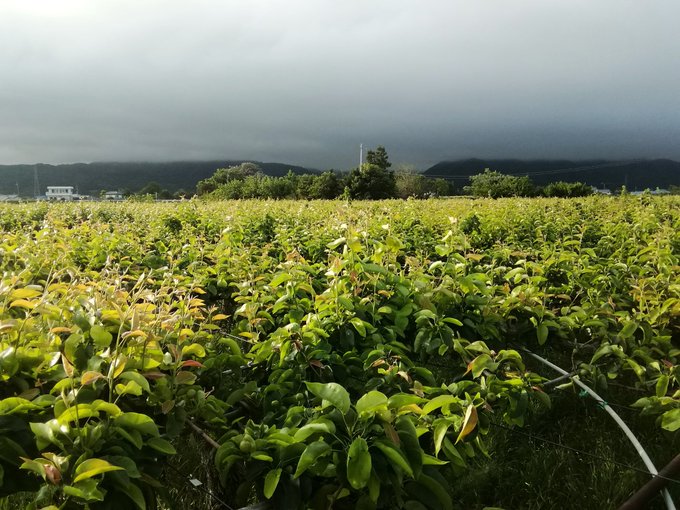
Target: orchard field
column 336, row 355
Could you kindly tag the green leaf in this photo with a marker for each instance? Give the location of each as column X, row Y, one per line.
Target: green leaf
column 662, row 386
column 429, row 460
column 107, row 407
column 271, row 481
column 404, row 399
column 161, row 445
column 16, row 405
column 93, row 467
column 542, row 333
column 439, row 491
column 358, row 463
column 318, row 426
column 441, row 426
column 481, row 363
column 36, row 466
column 334, row 244
column 77, row 412
column 100, row 336
column 346, row 303
column 333, row 393
column 311, row 454
column 408, row 436
column 370, row 403
column 670, row 420
column 136, row 495
column 628, row 330
column 139, row 422
column 279, row 279
column 86, row 490
column 45, row 434
column 394, row 455
column 138, row 378
column 131, row 388
column 444, row 401
column 196, row 349
column 359, row 325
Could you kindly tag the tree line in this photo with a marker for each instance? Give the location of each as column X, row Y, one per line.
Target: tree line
column 374, row 180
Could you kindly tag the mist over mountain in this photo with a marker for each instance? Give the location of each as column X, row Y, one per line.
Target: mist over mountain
column 634, row 174
column 90, row 178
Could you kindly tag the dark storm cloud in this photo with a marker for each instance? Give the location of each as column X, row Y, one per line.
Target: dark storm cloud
column 307, row 81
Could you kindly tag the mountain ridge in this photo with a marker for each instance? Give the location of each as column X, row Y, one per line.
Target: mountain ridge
column 90, row 178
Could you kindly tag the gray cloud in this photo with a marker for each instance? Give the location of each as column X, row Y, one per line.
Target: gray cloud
column 307, row 81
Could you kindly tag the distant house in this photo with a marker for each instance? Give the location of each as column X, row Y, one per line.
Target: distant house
column 601, row 191
column 61, row 193
column 657, row 191
column 113, row 195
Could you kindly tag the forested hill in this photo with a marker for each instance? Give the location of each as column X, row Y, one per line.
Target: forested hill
column 634, row 174
column 90, row 178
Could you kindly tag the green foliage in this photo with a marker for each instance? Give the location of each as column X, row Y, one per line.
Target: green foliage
column 566, row 190
column 496, row 185
column 224, row 176
column 346, row 355
column 371, row 182
column 378, row 157
column 413, row 184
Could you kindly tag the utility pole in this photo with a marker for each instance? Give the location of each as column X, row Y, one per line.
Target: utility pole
column 361, row 155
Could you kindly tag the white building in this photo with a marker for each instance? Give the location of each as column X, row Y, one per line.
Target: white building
column 63, row 193
column 113, row 195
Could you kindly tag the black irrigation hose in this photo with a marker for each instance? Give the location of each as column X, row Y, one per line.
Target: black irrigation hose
column 582, row 452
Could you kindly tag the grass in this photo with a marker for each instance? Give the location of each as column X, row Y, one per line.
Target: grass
column 528, row 473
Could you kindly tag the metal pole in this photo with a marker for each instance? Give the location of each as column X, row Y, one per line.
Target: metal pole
column 641, row 498
column 629, row 433
column 361, row 155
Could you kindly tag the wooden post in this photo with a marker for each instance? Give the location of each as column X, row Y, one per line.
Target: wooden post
column 640, row 500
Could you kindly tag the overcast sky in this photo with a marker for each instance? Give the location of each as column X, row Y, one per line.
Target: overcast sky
column 307, row 81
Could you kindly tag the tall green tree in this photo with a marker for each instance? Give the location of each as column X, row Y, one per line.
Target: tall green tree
column 494, row 184
column 378, row 157
column 371, row 182
column 225, row 175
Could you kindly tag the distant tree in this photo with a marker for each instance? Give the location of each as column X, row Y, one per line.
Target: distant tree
column 151, row 188
column 326, row 186
column 276, row 187
column 439, row 187
column 410, row 183
column 323, row 186
column 225, row 175
column 180, row 193
column 567, row 189
column 303, row 185
column 496, row 185
column 371, row 182
column 378, row 157
column 413, row 184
